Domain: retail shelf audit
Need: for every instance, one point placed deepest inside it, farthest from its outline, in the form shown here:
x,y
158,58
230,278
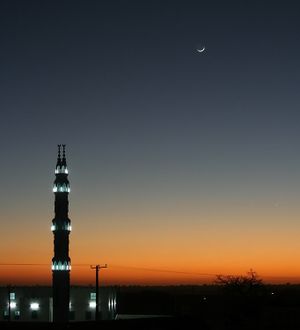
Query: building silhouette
x,y
34,303
59,303
61,228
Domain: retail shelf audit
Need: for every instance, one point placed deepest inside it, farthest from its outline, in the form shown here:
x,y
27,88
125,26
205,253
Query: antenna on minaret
x,y
64,163
58,154
58,163
64,150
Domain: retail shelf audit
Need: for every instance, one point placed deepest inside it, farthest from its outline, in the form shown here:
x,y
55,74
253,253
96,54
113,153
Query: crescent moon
x,y
201,50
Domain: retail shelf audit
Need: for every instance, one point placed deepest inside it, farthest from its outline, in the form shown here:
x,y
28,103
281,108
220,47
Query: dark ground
x,y
285,323
200,307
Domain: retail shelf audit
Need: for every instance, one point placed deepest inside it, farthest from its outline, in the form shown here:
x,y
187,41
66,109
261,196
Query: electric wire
x,y
155,270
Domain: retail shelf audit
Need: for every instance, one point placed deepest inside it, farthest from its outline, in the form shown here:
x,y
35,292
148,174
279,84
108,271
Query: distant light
x,y
13,304
204,298
34,306
52,227
272,293
92,304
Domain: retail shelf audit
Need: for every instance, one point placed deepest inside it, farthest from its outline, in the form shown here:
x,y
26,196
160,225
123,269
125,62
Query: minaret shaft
x,y
61,227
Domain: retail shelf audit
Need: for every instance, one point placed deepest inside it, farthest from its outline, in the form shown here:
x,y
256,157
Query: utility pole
x,y
9,308
97,268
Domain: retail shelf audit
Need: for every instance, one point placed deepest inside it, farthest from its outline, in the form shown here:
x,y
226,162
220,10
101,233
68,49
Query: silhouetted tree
x,y
244,295
241,285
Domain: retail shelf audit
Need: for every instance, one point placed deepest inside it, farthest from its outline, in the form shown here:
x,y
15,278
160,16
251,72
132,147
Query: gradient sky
x,y
181,163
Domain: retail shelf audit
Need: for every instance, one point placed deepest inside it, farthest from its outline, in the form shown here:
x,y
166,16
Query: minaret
x,y
61,227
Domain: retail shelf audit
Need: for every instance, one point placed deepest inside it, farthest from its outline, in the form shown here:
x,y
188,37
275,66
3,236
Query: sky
x,y
183,165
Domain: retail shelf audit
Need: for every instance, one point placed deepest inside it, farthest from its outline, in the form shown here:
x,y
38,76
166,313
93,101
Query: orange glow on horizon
x,y
122,275
158,248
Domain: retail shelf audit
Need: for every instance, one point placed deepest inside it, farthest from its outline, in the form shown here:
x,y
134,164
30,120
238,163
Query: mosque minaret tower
x,y
61,228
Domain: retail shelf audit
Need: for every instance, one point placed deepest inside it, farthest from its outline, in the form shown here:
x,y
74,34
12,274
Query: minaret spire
x,y
58,163
64,162
61,227
58,152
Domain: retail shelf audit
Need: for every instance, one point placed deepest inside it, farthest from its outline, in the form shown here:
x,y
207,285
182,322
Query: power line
x,y
117,266
19,264
156,270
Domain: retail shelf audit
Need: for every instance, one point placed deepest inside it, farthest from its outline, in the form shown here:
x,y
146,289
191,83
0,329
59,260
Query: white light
x,y
112,303
13,304
61,266
61,170
52,227
61,188
92,304
68,227
64,170
34,306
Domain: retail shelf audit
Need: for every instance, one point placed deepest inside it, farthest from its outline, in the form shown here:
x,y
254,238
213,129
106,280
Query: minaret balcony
x,y
61,266
66,227
61,188
61,170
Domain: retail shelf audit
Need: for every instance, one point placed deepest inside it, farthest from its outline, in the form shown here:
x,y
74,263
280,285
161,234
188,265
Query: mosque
x,y
59,303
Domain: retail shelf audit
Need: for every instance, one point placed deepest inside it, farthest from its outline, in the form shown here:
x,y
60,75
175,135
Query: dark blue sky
x,y
150,124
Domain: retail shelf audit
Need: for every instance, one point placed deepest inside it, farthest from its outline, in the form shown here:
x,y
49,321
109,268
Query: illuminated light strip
x,y
66,227
62,170
61,266
61,189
